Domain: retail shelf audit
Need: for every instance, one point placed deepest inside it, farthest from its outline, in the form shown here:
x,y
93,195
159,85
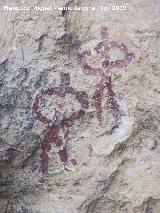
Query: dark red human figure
x,y
54,125
103,48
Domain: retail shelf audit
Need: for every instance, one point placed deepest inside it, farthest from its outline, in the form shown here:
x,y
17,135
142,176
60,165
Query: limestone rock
x,y
79,107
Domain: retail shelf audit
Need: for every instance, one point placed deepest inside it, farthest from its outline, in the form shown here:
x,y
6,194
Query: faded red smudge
x,y
143,56
90,153
74,162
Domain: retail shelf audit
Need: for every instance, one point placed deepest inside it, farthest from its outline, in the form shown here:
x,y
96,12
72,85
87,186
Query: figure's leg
x,y
51,136
98,95
106,82
111,99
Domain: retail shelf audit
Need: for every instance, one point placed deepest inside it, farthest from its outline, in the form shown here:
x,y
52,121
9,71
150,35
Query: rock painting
x,y
57,123
102,49
54,125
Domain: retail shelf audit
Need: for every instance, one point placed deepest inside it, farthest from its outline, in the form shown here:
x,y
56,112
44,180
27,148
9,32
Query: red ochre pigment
x,y
52,134
54,125
103,48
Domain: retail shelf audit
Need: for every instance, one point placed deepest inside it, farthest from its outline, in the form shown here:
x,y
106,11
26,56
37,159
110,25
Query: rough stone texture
x,y
113,163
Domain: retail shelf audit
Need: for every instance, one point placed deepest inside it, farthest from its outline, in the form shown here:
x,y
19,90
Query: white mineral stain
x,y
106,143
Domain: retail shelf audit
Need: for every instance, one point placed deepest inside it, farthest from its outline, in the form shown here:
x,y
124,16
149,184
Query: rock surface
x,y
79,100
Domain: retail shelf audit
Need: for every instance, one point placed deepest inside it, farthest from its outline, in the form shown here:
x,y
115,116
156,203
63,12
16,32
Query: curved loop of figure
x,y
61,91
103,48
